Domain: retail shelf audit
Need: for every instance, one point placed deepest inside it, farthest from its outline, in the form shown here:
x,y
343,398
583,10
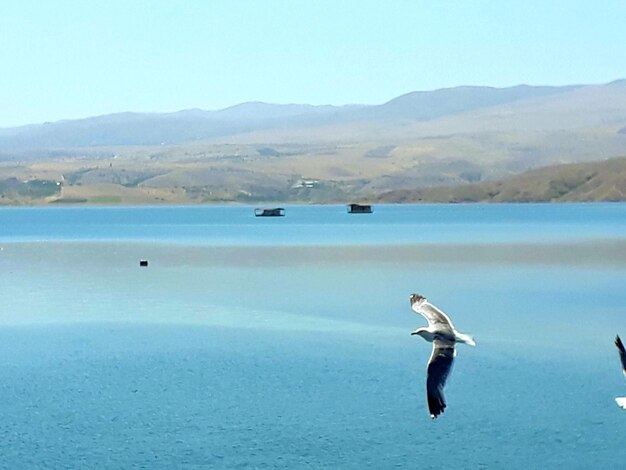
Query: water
x,y
318,224
284,343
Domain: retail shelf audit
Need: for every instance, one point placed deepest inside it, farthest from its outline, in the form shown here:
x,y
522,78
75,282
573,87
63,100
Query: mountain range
x,y
195,125
297,152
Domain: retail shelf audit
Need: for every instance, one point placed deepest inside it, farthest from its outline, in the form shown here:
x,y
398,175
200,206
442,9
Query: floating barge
x,y
273,212
359,209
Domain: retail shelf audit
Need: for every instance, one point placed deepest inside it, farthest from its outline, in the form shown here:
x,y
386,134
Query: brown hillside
x,y
597,181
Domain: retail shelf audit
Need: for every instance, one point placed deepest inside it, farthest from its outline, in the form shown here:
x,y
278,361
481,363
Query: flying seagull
x,y
621,401
442,334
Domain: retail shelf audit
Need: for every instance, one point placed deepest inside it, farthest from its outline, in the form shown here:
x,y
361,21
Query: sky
x,y
63,59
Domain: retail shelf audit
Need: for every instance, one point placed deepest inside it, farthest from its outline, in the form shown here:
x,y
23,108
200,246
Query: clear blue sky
x,y
63,59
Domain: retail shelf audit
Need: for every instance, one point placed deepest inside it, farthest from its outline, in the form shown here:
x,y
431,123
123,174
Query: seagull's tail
x,y
621,402
463,338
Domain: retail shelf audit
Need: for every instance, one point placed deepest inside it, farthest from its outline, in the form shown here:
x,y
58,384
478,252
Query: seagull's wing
x,y
439,367
622,352
431,313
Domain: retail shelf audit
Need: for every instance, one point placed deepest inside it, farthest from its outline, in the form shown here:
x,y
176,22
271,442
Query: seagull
x,y
621,401
442,334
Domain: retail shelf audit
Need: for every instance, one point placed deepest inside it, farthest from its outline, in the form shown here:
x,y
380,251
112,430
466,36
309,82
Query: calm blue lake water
x,y
284,343
319,224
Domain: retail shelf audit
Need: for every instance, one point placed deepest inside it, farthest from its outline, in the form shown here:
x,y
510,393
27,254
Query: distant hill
x,y
195,125
597,181
586,182
264,152
427,105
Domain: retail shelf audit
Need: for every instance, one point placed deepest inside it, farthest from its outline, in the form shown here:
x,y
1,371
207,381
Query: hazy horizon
x,y
70,61
338,105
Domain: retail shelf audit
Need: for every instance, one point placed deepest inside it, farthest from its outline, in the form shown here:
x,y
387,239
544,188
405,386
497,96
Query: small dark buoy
x,y
143,262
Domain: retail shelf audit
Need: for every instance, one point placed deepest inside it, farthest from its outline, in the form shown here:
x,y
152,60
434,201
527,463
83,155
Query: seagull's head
x,y
417,299
424,333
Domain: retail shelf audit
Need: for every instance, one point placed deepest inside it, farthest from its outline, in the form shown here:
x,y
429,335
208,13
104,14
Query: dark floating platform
x,y
143,263
359,209
273,212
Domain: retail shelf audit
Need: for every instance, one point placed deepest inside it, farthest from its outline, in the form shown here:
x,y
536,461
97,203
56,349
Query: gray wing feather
x,y
432,314
439,367
622,352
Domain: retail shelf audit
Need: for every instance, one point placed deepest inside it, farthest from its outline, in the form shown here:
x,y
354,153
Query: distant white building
x,y
305,184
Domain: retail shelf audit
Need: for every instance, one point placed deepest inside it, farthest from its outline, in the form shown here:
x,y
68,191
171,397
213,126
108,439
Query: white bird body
x,y
441,332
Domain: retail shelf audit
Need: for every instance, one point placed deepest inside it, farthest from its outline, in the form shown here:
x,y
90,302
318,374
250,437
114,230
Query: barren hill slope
x,y
597,181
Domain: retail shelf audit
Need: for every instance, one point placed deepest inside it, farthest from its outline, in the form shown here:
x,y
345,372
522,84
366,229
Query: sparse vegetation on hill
x,y
585,182
13,190
595,181
260,152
